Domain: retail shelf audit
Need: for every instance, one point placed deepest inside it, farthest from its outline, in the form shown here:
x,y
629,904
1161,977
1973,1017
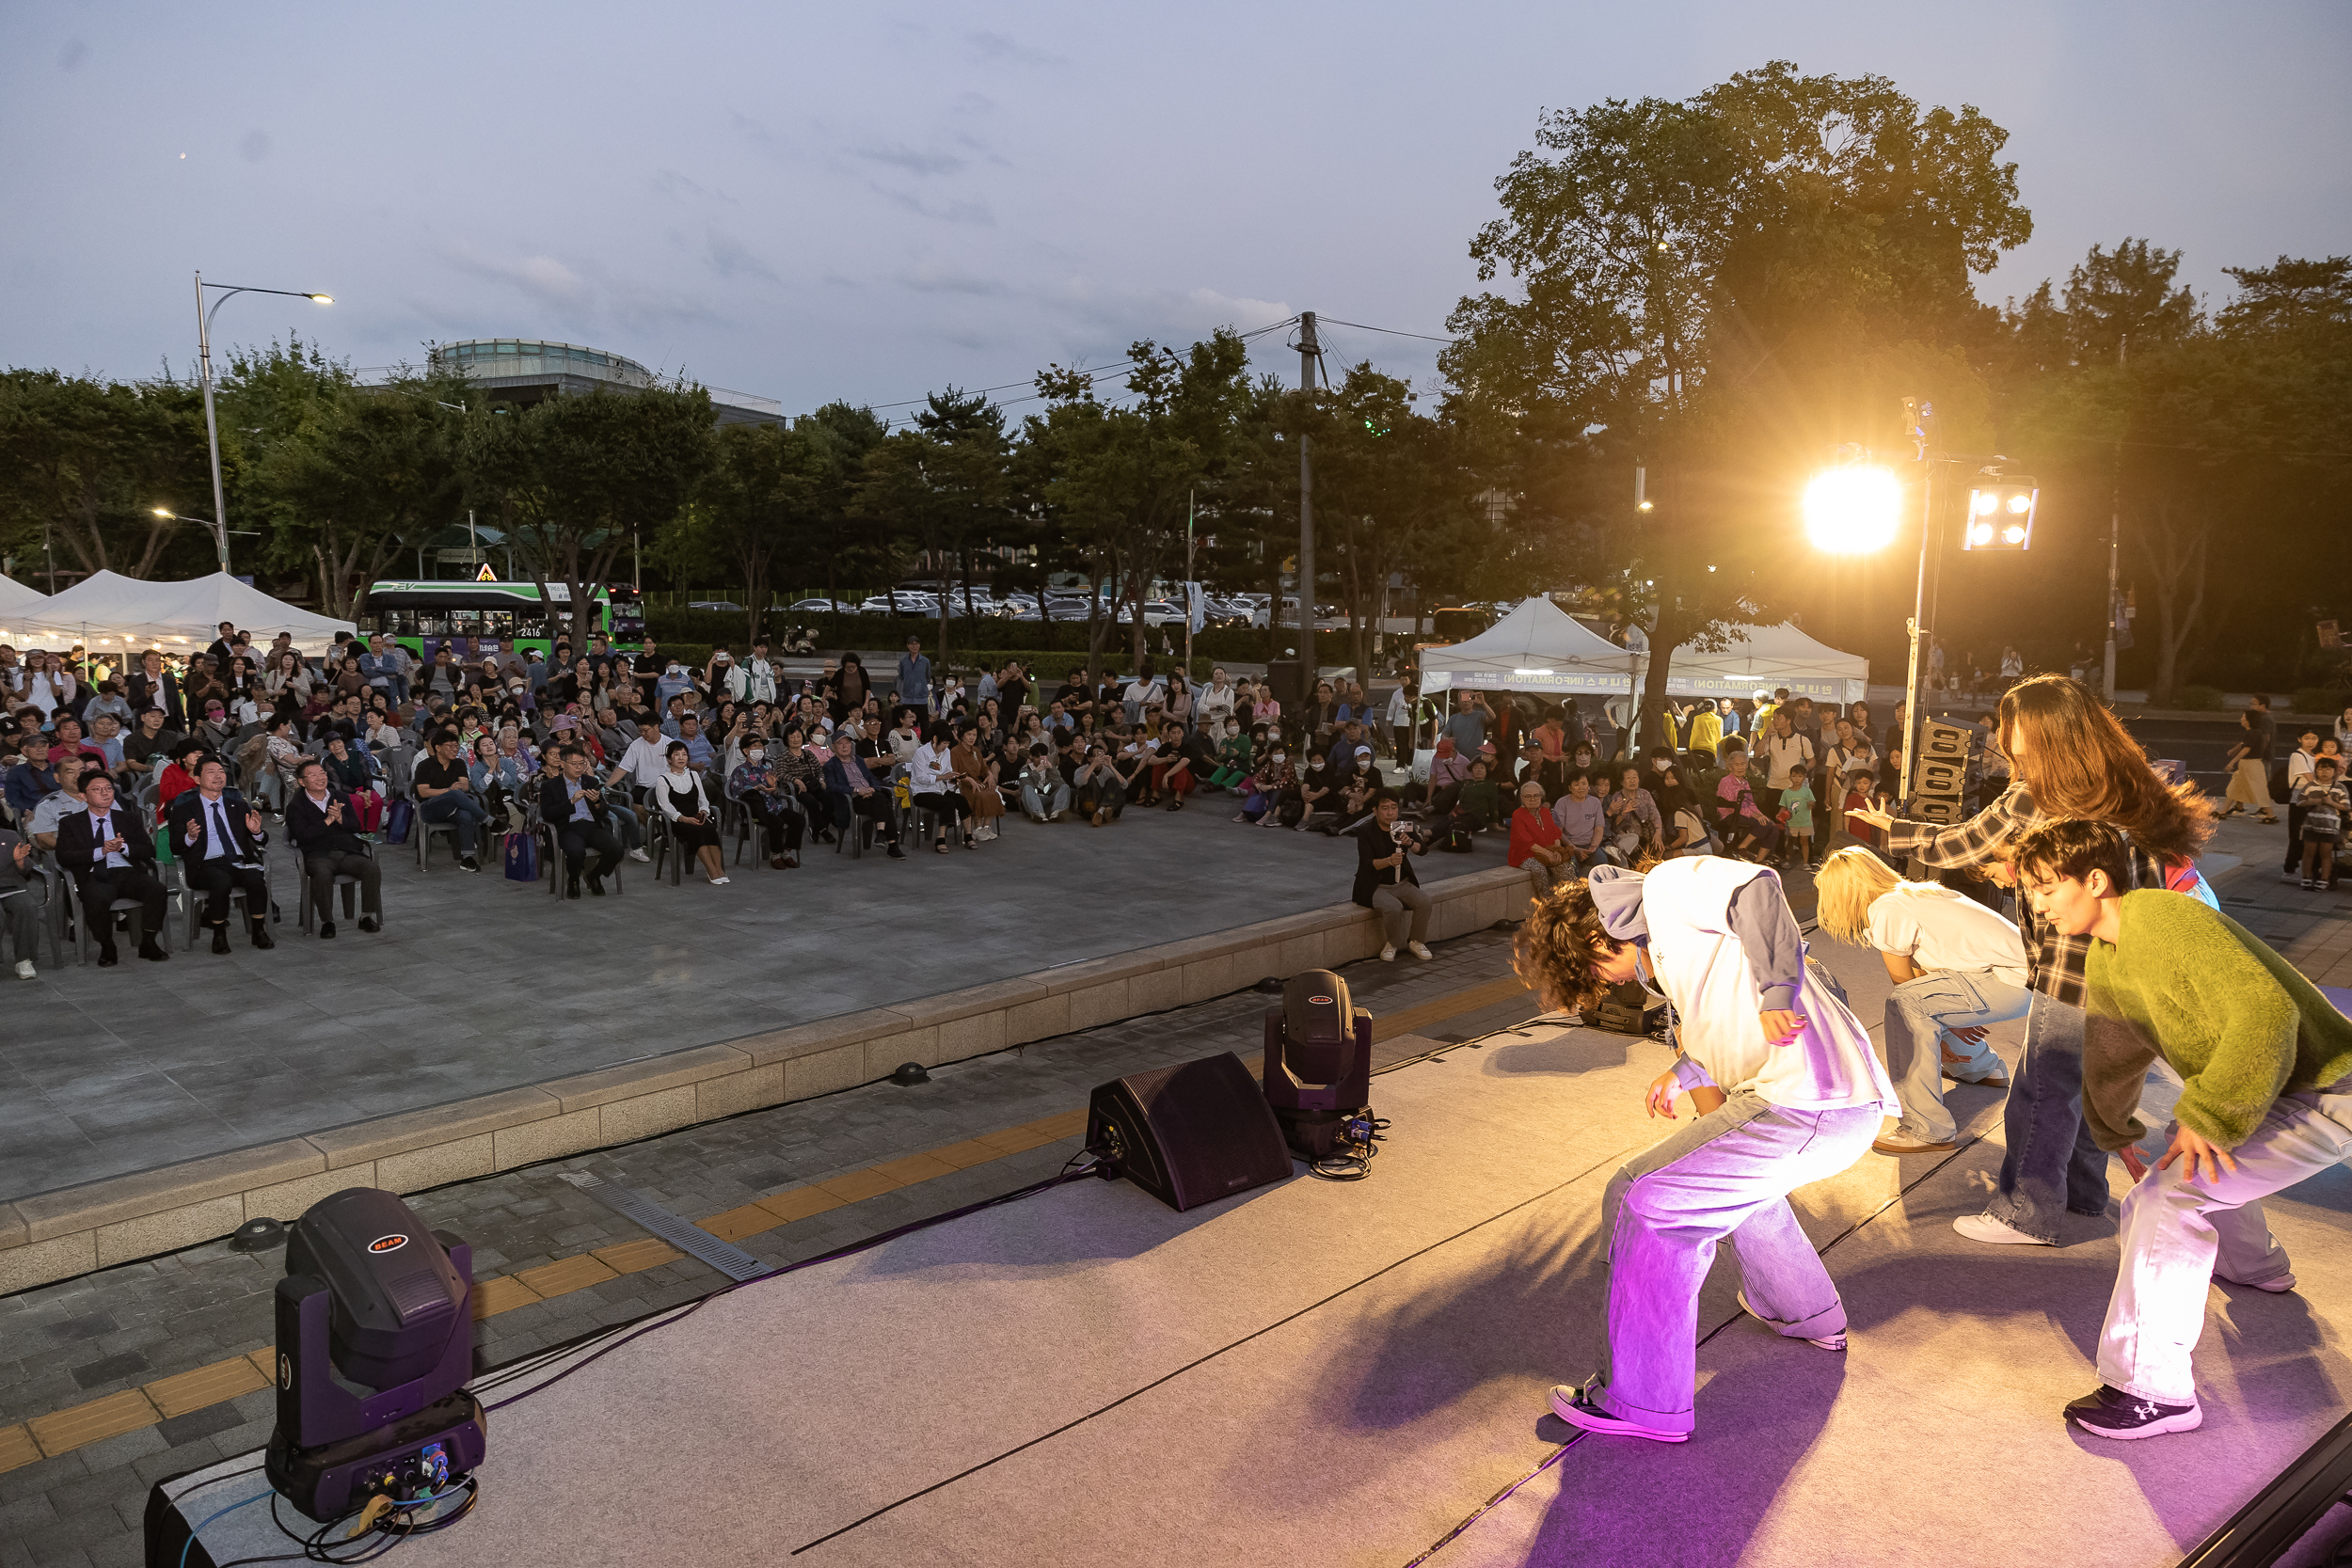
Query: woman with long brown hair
x,y
2069,758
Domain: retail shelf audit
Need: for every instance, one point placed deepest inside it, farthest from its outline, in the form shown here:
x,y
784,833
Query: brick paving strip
x,y
127,1410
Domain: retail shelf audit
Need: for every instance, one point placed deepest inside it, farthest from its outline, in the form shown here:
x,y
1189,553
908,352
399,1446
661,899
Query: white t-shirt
x,y
1947,931
1829,1064
1791,757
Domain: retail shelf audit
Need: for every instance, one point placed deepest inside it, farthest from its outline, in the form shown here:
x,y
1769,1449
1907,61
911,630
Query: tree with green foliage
x,y
765,490
85,462
571,480
1118,478
1723,288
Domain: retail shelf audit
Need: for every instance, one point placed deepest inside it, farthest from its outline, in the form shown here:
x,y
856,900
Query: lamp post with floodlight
x,y
221,534
204,361
1855,508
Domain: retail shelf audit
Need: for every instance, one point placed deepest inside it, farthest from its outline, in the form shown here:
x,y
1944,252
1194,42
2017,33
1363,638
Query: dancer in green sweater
x,y
2266,1061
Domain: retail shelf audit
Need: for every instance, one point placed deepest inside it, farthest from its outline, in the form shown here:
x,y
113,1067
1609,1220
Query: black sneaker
x,y
596,887
1568,1403
897,853
468,863
370,923
326,931
571,888
2112,1413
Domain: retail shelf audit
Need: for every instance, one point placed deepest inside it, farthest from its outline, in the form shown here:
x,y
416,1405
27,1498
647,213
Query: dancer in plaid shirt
x,y
2069,758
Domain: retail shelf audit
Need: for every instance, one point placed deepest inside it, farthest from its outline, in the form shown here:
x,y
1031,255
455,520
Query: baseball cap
x,y
1363,751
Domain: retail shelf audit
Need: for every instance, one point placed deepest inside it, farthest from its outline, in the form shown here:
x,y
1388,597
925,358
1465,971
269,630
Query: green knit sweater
x,y
2238,1022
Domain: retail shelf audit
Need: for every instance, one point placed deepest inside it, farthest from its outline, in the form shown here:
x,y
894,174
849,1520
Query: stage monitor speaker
x,y
1289,678
1188,1134
1940,781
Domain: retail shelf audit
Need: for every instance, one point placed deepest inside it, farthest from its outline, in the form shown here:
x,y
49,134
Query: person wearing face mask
x,y
1271,787
1232,756
771,802
1318,792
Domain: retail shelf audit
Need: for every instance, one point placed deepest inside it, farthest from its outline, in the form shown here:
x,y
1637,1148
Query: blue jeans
x,y
1920,1015
1725,1176
2053,1162
469,813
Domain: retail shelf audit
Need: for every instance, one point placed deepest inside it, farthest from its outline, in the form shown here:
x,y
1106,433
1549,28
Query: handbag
x,y
397,817
522,858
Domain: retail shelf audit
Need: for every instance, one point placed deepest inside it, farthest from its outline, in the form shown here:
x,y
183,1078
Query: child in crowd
x,y
2265,1068
1796,804
2321,800
1859,785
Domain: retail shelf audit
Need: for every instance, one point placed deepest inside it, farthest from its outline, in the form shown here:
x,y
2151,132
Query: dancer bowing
x,y
1789,1092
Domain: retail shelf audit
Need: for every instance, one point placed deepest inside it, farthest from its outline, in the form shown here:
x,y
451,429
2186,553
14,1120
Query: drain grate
x,y
685,1235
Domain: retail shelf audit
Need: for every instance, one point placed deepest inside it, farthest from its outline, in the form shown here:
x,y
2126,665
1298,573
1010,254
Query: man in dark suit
x,y
324,826
218,839
110,855
151,685
574,805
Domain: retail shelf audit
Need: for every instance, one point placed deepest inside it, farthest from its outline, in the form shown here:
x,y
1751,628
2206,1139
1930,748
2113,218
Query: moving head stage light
x,y
374,1345
1318,1061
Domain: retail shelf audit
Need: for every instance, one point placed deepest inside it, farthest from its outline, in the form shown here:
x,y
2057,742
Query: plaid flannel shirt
x,y
2054,959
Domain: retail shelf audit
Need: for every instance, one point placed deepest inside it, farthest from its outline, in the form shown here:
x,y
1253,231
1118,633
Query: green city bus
x,y
480,618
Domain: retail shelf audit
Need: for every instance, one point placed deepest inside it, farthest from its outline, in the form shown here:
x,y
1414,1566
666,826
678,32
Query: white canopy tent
x,y
19,605
1763,658
1536,647
107,611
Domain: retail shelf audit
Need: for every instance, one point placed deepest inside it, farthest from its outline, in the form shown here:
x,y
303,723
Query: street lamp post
x,y
204,361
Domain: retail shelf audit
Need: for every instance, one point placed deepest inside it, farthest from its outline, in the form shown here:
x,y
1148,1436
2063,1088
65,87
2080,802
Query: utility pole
x,y
2115,537
1188,503
1310,357
211,427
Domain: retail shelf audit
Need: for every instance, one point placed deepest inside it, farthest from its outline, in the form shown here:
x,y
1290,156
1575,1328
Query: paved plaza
x,y
478,984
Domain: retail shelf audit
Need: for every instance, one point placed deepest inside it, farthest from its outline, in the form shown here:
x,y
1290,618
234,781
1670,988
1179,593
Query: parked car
x,y
819,607
909,603
727,605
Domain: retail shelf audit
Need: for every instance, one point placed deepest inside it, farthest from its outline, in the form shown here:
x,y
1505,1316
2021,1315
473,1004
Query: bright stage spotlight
x,y
2000,513
1853,510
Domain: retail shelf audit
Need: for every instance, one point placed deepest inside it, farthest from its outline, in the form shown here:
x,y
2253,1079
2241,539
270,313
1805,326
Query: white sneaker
x,y
1419,950
24,971
719,881
640,855
1984,1227
1388,954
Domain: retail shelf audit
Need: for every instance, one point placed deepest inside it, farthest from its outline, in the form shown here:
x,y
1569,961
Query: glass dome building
x,y
531,370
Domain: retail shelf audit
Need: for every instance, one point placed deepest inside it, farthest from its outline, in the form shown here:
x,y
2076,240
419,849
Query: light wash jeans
x,y
1920,1015
2177,1234
1725,1176
1035,804
2052,1162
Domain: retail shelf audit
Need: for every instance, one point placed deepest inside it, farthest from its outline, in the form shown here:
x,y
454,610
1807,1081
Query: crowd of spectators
x,y
607,755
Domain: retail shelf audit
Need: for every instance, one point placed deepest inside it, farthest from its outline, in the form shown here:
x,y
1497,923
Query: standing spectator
x,y
1535,841
915,678
1787,757
445,793
2012,665
1395,727
2323,803
110,855
1468,725
325,829
2250,773
151,685
2298,768
1385,882
218,840
1583,822
1217,701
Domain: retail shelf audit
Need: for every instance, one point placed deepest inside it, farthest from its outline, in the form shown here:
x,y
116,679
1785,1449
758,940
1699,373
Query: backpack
x,y
2185,877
